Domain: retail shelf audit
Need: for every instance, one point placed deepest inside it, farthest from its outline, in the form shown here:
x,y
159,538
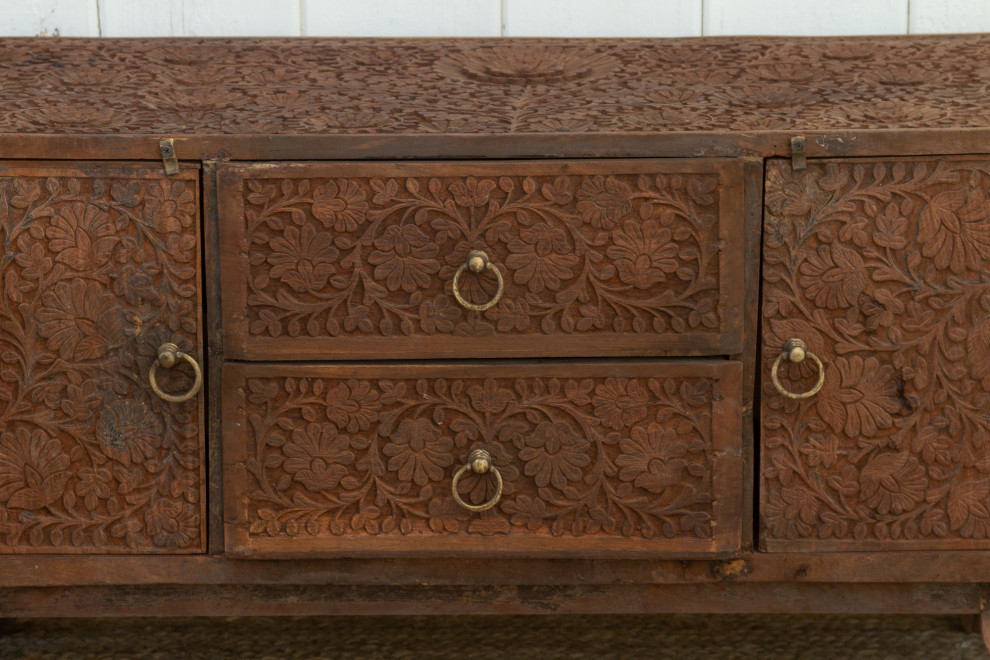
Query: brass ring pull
x,y
168,355
796,351
479,462
478,261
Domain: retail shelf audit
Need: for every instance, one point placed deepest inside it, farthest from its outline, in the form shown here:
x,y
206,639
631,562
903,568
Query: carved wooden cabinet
x,y
341,326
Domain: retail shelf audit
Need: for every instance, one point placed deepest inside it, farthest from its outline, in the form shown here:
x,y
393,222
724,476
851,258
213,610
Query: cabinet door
x,y
100,268
880,267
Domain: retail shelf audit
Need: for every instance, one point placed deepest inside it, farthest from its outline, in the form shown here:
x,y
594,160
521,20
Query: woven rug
x,y
684,637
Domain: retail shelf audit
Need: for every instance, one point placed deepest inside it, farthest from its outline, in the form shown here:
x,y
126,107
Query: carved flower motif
x,y
619,402
603,201
317,457
437,315
554,454
302,259
652,458
954,232
79,319
528,63
33,258
883,114
833,278
169,206
340,204
404,258
81,236
903,75
821,451
93,485
882,310
489,398
791,513
893,483
891,229
80,402
353,405
790,193
69,117
172,524
643,253
418,452
861,399
127,431
471,192
540,257
33,469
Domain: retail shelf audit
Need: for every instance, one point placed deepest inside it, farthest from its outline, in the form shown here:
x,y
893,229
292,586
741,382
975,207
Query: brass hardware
x,y
167,147
796,351
478,261
479,462
168,356
799,157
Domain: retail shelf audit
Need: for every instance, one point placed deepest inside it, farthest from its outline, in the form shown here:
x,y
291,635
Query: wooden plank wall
x,y
488,18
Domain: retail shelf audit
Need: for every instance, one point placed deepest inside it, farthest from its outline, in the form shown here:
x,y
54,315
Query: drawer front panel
x,y
358,260
879,266
102,268
594,458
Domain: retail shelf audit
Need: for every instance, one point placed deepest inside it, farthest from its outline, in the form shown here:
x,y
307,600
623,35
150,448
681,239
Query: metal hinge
x,y
799,159
167,147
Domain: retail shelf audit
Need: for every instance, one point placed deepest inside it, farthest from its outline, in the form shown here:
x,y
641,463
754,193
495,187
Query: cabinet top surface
x,y
490,86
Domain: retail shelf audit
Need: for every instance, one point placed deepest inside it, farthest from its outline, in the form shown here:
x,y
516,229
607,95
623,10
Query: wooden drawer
x,y
101,268
357,260
880,267
603,458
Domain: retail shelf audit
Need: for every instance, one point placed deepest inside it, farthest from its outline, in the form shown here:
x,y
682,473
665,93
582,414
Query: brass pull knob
x,y
479,462
168,356
478,261
796,351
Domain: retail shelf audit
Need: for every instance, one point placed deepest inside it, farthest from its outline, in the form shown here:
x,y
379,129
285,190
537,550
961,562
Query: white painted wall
x,y
426,18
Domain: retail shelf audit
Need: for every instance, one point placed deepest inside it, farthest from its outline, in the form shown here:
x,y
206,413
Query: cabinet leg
x,y
985,627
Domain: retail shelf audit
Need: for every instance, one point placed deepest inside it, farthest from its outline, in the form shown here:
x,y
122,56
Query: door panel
x,y
101,267
880,267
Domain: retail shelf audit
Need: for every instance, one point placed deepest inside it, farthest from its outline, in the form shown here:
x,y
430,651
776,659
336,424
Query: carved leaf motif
x,y
880,271
969,499
98,278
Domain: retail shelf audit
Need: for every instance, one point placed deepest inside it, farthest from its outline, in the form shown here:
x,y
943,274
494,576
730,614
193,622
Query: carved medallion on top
x,y
528,63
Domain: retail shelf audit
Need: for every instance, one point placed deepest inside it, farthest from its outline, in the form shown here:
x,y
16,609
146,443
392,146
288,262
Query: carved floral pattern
x,y
98,271
376,456
880,267
579,254
304,87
